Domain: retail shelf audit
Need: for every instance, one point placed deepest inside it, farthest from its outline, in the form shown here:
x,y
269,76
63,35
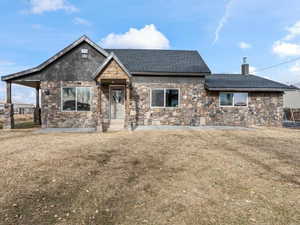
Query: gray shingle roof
x,y
239,82
160,61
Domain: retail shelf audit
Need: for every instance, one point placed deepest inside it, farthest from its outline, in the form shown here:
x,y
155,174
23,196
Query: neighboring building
x,y
85,86
291,98
19,108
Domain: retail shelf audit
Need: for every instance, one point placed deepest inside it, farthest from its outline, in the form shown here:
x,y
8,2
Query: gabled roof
x,y
111,57
145,61
57,56
239,82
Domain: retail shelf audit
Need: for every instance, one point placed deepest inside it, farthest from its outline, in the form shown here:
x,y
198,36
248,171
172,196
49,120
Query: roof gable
x,y
56,57
112,57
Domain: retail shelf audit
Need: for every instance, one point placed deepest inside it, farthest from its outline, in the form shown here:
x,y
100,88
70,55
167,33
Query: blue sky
x,y
266,31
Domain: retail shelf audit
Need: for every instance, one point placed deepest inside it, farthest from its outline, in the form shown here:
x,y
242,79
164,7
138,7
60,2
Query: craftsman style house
x,y
85,86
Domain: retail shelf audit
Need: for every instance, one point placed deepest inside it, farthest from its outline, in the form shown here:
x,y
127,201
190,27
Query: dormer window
x,y
84,53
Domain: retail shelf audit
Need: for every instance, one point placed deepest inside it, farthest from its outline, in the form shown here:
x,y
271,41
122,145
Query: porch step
x,y
116,125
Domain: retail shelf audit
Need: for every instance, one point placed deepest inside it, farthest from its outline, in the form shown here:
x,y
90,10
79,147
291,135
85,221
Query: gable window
x,y
76,99
233,99
165,97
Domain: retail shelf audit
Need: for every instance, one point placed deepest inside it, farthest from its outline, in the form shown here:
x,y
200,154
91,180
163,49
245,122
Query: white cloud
x,y
294,31
252,70
295,68
147,37
285,49
244,45
40,6
81,21
223,20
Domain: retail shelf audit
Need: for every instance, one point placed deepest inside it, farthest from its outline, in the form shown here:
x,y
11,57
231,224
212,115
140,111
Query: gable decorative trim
x,y
112,57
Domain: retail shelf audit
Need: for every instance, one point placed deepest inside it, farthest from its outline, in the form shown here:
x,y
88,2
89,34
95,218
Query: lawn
x,y
22,121
150,177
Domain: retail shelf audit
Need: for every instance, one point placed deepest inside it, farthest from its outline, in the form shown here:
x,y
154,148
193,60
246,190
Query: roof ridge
x,y
141,49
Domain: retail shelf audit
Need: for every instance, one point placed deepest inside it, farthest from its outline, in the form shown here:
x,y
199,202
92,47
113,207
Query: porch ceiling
x,y
32,84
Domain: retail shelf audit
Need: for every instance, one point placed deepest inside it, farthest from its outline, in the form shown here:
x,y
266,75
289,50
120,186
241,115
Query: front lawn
x,y
151,178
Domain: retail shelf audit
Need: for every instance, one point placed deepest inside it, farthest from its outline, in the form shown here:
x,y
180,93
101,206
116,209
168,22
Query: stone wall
x,y
197,106
191,108
8,116
52,114
264,109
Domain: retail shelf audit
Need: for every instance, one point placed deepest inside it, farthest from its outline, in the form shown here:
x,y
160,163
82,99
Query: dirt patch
x,y
150,177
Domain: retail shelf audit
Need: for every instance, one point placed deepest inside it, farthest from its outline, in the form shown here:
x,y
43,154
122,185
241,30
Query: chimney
x,y
245,67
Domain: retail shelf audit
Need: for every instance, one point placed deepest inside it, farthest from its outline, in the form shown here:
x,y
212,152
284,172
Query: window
x,y
165,97
226,99
233,99
240,99
171,97
69,99
76,99
83,99
157,98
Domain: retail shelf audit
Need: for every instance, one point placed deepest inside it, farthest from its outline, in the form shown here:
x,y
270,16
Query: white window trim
x,y
224,106
61,100
163,107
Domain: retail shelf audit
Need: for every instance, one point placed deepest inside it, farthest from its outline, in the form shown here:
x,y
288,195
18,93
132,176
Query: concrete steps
x,y
116,124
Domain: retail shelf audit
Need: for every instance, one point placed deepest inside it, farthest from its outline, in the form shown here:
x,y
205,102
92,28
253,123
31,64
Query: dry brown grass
x,y
22,121
167,177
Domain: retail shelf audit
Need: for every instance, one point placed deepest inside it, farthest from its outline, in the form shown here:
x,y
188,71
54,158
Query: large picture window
x,y
233,99
76,99
166,97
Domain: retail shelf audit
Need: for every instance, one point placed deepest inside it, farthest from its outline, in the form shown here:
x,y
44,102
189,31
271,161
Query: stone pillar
x,y
37,110
9,122
99,111
127,106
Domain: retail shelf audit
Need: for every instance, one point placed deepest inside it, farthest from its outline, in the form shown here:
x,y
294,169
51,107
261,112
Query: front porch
x,y
9,120
114,107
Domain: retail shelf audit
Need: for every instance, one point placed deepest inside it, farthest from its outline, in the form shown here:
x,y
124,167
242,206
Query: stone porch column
x,y
99,111
8,109
37,110
127,106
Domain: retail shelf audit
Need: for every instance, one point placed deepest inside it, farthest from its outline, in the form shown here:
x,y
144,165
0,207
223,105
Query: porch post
x,y
100,118
37,110
128,120
8,109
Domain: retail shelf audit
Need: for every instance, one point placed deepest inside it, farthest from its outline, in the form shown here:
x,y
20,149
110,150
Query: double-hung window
x,y
233,99
76,99
165,97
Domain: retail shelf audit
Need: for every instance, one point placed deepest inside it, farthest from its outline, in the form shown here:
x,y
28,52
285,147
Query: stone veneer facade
x,y
264,109
197,105
51,108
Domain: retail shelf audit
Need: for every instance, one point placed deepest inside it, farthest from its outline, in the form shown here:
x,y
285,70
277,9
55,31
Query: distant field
x,y
21,121
151,177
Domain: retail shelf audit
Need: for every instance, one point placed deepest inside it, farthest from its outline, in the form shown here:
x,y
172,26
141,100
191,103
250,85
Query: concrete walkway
x,y
191,128
141,128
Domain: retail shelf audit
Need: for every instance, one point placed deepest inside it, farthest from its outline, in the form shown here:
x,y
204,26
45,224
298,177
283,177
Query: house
x,y
291,104
86,86
19,108
292,98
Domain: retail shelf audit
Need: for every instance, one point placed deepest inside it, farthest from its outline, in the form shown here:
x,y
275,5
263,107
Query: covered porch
x,y
9,120
114,107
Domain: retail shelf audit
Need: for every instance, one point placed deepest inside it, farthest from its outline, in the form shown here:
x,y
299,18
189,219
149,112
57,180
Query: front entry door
x,y
117,100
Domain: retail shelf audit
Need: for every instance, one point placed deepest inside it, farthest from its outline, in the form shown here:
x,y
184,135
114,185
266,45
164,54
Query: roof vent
x,y
245,66
84,53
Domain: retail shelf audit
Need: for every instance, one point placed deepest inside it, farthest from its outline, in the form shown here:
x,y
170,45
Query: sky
x,y
223,31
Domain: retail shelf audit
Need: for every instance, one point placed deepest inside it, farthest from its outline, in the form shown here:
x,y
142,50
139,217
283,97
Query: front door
x,y
117,100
